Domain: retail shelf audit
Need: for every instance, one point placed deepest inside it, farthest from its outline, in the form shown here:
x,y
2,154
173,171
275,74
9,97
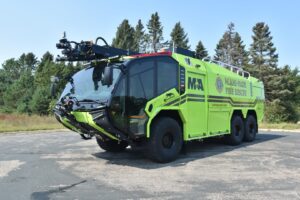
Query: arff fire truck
x,y
157,101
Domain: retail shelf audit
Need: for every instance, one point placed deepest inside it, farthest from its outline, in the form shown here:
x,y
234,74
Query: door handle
x,y
169,96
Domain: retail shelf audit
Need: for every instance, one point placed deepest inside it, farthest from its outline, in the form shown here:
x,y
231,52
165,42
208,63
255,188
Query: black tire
x,y
165,140
112,145
250,128
237,131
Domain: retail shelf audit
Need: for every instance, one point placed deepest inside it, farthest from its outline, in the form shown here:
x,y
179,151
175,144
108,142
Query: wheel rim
x,y
237,130
251,129
167,140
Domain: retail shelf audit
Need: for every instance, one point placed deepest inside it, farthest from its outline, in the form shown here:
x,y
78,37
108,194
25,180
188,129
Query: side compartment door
x,y
196,109
219,105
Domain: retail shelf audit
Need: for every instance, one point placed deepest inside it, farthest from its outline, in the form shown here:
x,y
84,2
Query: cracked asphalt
x,y
59,165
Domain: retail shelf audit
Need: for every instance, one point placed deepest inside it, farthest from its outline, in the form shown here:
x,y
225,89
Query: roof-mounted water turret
x,y
87,50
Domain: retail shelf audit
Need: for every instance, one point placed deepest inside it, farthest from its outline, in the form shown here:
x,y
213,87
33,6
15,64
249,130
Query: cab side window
x,y
167,74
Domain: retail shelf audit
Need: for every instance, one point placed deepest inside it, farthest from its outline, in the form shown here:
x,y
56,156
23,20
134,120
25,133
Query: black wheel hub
x,y
251,129
167,140
237,130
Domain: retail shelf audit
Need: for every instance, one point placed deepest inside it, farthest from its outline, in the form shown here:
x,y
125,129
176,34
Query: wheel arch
x,y
237,113
174,113
253,113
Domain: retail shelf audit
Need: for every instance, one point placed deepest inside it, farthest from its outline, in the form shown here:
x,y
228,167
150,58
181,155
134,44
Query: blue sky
x,y
35,25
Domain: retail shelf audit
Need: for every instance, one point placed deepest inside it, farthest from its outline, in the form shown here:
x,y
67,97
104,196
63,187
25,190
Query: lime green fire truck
x,y
157,101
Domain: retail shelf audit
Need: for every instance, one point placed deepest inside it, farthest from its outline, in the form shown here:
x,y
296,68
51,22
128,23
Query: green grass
x,y
17,122
286,126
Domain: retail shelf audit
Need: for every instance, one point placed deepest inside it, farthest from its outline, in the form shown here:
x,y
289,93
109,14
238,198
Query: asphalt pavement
x,y
59,165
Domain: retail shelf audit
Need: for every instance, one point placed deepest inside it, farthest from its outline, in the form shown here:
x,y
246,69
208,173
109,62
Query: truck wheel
x,y
250,128
237,131
112,145
165,141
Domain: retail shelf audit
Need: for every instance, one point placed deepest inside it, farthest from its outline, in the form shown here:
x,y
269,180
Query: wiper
x,y
92,101
71,81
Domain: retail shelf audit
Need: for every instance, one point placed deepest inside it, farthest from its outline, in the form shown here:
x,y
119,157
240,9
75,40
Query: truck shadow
x,y
194,150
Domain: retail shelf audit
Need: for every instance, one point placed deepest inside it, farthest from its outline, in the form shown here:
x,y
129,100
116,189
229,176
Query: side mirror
x,y
107,78
54,80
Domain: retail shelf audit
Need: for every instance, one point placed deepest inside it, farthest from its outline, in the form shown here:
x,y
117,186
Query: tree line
x,y
24,82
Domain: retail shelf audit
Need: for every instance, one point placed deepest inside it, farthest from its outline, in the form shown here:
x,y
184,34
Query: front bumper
x,y
94,122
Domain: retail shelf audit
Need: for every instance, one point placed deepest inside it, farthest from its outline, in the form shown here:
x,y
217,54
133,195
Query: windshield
x,y
87,85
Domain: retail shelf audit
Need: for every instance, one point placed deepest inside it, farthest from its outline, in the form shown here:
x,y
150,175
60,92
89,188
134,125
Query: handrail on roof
x,y
230,67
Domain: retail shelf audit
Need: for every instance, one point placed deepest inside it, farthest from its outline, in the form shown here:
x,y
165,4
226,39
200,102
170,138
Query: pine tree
x,y
281,84
231,49
139,37
262,52
19,80
285,95
45,69
24,82
12,70
3,85
264,60
40,101
124,36
289,92
9,74
201,51
18,94
179,37
28,62
240,56
47,57
155,29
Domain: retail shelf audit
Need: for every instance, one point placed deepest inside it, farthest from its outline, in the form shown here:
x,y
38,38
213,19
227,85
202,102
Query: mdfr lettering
x,y
195,84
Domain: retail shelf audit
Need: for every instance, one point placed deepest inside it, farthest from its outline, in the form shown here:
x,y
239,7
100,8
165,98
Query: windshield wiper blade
x,y
92,101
